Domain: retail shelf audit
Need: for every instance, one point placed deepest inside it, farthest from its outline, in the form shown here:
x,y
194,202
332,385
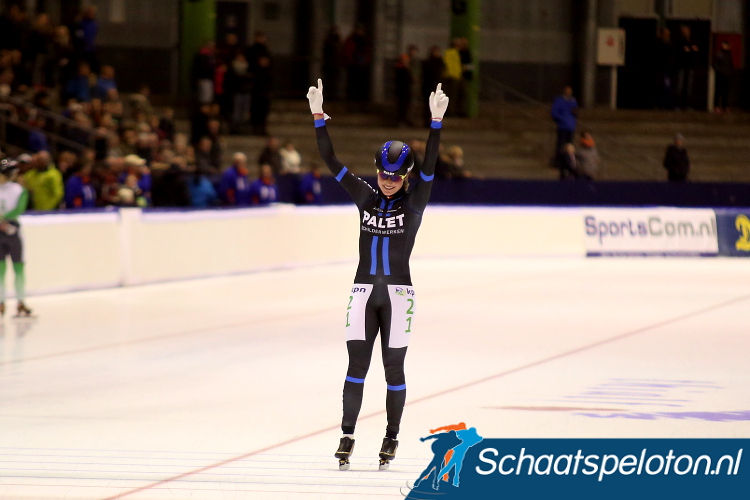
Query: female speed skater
x,y
13,201
382,298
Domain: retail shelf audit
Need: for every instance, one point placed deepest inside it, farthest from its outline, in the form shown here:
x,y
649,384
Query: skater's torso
x,y
388,228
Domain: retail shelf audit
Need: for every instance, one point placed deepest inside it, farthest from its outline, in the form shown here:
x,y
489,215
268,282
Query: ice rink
x,y
230,387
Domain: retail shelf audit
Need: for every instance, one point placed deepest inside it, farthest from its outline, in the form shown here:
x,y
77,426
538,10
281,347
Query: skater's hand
x,y
315,96
438,103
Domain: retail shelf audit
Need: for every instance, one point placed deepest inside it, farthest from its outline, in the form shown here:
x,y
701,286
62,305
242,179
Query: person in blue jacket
x,y
565,113
309,188
263,190
202,192
79,192
234,188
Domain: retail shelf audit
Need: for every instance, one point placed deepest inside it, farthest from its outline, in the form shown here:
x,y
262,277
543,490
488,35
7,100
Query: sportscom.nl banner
x,y
650,231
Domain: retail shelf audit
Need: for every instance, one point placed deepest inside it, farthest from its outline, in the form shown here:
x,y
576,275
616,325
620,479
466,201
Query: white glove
x,y
315,96
438,103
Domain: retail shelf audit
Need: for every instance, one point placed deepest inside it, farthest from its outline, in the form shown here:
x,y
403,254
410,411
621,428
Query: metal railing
x,y
16,113
610,148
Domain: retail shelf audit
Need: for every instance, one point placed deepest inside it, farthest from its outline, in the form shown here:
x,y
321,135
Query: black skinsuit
x,y
388,227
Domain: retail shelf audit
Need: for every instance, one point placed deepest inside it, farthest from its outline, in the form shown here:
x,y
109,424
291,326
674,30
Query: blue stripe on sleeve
x,y
397,387
386,261
357,380
435,124
341,174
426,178
374,255
321,122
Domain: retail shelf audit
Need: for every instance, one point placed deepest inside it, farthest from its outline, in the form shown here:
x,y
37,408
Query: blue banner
x,y
467,466
734,232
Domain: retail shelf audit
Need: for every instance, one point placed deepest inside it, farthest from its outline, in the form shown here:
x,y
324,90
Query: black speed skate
x,y
22,311
346,446
387,452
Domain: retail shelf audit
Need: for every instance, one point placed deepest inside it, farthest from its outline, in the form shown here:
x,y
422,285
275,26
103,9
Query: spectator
x,y
37,137
404,82
454,75
567,162
332,47
206,159
467,74
257,51
166,125
64,60
564,113
79,88
454,160
85,34
260,97
239,86
202,192
310,188
723,65
39,49
79,191
204,66
130,193
170,187
228,48
105,83
263,190
290,159
66,160
271,155
432,74
135,165
44,182
357,57
687,59
676,160
587,158
665,67
234,188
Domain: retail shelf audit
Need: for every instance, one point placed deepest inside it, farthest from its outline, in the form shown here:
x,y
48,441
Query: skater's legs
x,y
3,267
18,268
360,353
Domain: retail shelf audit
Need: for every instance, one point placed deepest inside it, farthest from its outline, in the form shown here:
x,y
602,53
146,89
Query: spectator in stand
x,y
687,59
357,57
271,155
228,48
564,114
79,191
290,159
64,60
12,28
404,82
199,123
332,63
665,70
44,182
66,160
567,162
135,165
453,157
239,86
310,188
205,160
39,49
84,36
170,188
79,88
723,65
203,72
433,69
166,125
263,190
587,158
202,192
676,160
234,188
260,97
453,77
130,193
257,51
37,137
105,83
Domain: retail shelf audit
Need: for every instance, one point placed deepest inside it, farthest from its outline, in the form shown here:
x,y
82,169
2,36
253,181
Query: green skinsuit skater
x,y
13,201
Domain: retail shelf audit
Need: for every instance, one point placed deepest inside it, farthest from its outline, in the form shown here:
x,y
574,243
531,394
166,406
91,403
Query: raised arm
x,y
421,194
358,189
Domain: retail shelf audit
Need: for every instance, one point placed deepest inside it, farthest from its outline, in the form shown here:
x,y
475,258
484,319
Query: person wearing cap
x,y
44,182
382,299
135,165
676,160
13,202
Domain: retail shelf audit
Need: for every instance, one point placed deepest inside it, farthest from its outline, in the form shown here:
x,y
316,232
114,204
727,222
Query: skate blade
x,y
384,465
344,465
24,316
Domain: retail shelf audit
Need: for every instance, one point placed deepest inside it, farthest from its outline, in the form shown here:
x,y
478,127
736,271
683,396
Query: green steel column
x,y
198,26
465,16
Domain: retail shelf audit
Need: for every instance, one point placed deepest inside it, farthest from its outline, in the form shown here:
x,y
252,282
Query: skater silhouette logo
x,y
451,442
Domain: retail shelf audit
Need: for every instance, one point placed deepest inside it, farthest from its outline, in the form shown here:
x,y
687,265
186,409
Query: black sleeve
x,y
358,189
421,195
